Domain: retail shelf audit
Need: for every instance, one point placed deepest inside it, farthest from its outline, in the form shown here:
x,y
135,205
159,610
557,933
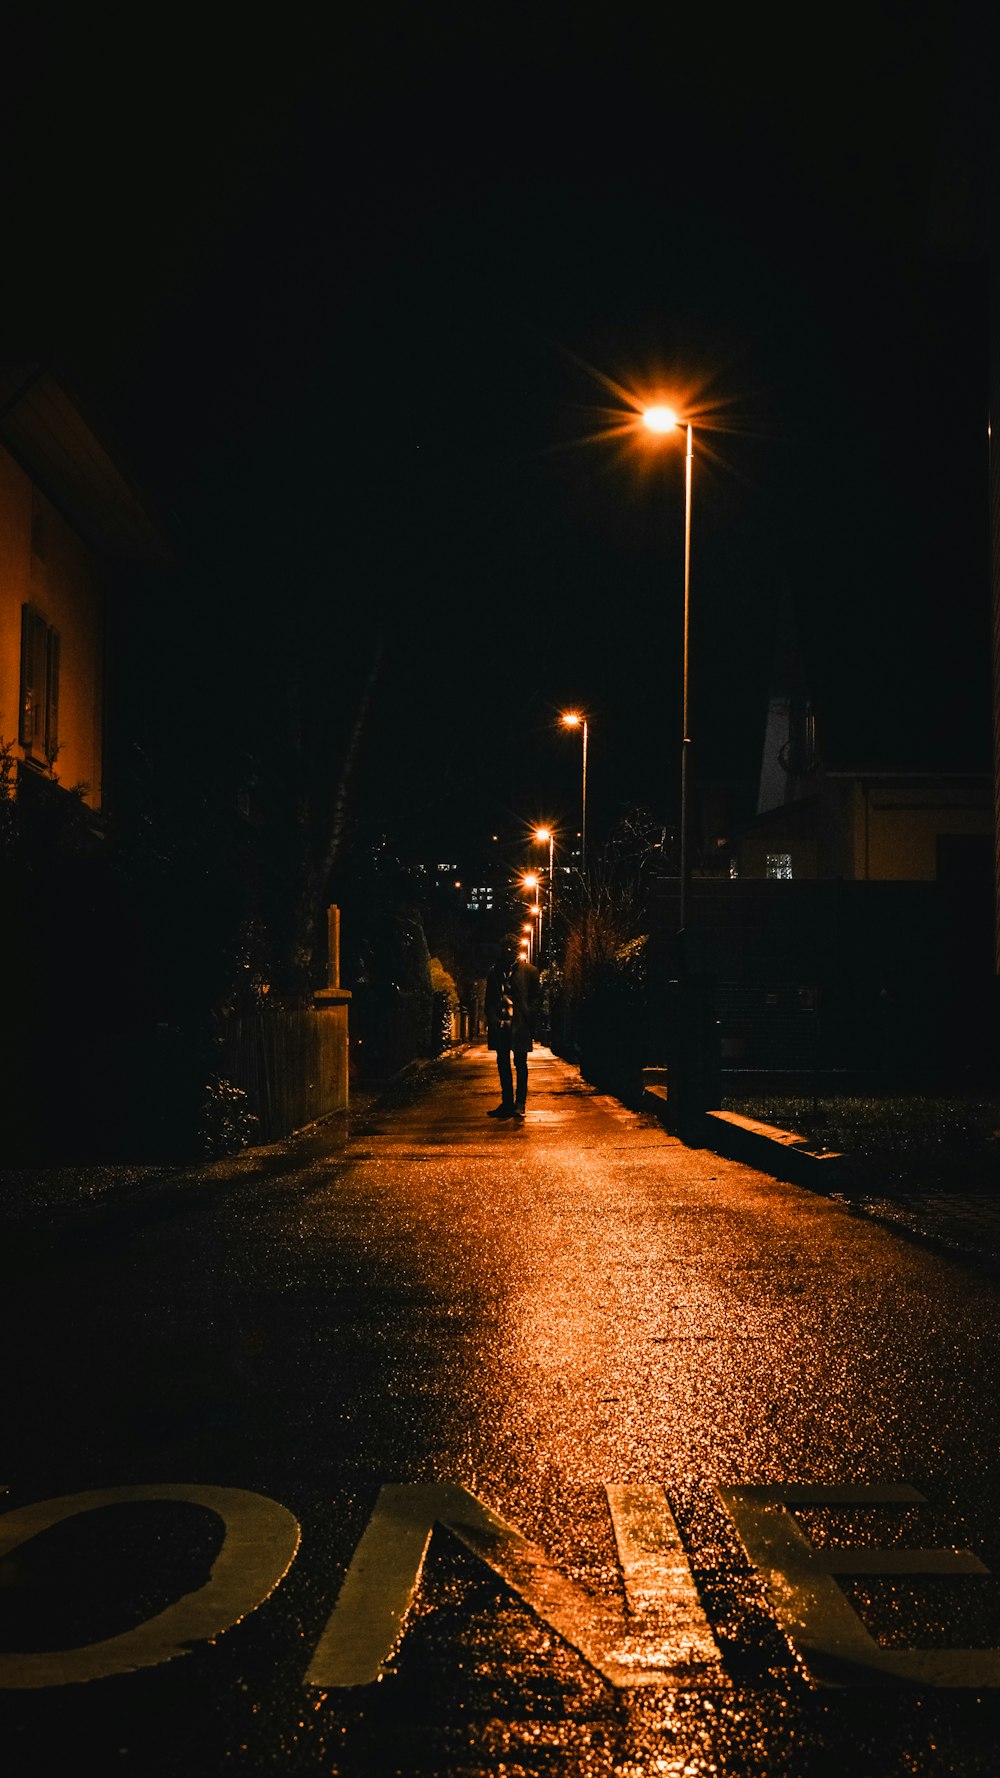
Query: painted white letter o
x,y
261,1538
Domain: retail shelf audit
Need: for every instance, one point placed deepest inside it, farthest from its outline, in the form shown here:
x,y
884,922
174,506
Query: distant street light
x,y
543,835
659,420
573,719
530,881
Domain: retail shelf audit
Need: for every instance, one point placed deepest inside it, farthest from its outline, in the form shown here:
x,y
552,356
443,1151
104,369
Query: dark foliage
x,y
386,966
598,990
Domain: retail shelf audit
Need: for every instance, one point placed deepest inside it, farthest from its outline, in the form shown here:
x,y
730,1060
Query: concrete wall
x,y
866,830
902,828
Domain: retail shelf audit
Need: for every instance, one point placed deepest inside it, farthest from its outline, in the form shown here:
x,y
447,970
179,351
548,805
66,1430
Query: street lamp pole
x,y
663,419
583,812
573,719
686,736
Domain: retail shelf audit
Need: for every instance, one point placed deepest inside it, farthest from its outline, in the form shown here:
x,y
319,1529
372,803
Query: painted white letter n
x,y
659,1637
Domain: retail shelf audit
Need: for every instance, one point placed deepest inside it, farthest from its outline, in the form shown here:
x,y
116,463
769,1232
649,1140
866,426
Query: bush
x,y
612,1022
392,1008
599,1010
444,1004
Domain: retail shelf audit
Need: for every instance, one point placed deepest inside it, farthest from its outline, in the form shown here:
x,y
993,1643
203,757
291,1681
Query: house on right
x,y
819,816
841,912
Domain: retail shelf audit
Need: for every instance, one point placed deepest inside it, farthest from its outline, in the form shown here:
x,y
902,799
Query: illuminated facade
x,y
51,640
66,516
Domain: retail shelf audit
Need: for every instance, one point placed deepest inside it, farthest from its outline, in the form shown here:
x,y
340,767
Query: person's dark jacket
x,y
524,987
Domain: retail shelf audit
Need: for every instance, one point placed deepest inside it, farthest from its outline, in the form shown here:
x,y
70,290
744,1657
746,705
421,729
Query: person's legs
x,y
521,1066
506,1081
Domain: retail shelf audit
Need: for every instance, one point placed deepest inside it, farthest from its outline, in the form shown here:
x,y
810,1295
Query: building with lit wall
x,y
66,514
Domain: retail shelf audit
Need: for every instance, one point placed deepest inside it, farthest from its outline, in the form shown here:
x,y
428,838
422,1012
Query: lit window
x,y
779,864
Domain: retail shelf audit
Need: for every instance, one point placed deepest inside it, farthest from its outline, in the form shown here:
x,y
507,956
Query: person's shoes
x,y
519,1112
501,1111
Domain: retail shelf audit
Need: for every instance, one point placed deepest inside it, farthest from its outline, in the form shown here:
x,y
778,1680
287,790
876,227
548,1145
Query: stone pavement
x,y
966,1226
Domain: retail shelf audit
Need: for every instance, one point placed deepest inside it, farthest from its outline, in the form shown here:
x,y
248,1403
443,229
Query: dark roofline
x,y
910,772
44,429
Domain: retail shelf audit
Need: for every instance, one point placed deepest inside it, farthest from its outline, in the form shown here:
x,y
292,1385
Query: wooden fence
x,y
291,1065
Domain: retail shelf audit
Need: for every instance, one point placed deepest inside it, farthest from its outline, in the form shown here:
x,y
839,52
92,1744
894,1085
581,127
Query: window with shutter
x,y
52,695
38,727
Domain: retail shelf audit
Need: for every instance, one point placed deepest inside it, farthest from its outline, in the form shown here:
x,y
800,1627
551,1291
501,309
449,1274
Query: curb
x,y
782,1153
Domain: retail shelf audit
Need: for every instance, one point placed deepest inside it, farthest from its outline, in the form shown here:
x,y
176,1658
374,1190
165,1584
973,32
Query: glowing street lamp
x,y
543,836
530,881
659,420
573,719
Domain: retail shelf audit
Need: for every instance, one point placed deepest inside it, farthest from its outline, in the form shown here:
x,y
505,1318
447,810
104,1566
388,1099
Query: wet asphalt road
x,y
540,1313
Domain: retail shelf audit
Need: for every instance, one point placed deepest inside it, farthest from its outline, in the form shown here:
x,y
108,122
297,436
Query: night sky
x,y
353,293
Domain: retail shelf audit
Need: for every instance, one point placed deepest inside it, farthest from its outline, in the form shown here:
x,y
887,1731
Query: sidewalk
x,y
559,1317
964,1225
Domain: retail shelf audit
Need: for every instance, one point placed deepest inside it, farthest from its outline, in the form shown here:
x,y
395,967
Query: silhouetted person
x,y
513,999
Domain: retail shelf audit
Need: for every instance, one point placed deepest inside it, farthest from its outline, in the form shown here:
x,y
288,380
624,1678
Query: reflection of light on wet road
x,y
644,1362
633,1308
